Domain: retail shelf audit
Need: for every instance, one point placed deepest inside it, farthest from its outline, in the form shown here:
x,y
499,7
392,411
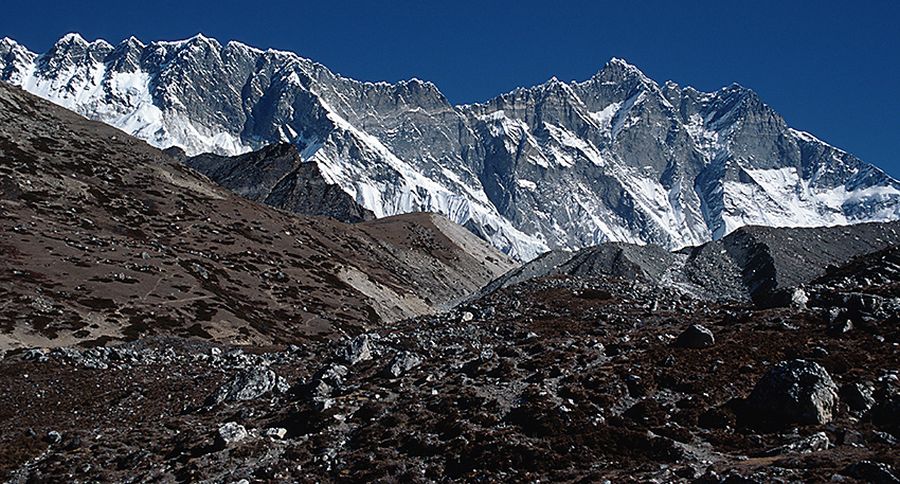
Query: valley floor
x,y
559,378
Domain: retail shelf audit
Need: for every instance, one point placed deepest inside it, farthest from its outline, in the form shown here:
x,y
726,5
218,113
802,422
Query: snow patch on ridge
x,y
780,197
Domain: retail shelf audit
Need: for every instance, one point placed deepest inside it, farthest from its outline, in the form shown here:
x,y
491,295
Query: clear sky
x,y
829,67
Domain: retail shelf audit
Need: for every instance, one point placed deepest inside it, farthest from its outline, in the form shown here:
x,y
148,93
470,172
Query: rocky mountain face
x,y
617,157
104,238
771,262
277,175
761,265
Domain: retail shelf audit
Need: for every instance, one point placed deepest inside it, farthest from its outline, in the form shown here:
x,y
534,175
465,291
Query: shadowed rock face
x,y
771,259
795,391
751,264
617,157
276,175
106,238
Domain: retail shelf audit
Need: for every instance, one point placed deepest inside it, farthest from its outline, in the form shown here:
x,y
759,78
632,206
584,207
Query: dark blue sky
x,y
830,67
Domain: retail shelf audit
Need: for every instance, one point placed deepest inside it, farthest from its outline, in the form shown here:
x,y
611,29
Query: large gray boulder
x,y
795,391
249,384
356,350
229,434
402,363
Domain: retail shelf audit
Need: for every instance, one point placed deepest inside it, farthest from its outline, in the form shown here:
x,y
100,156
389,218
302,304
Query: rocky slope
x,y
617,157
277,175
105,238
581,378
762,265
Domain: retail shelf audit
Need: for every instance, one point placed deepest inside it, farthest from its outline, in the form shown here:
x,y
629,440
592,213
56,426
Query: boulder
x,y
230,433
356,350
813,443
791,297
795,391
840,327
324,384
858,396
403,362
696,336
249,384
35,354
874,472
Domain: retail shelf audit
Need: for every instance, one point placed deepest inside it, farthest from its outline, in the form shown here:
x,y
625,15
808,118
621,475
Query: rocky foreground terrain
x,y
558,378
768,356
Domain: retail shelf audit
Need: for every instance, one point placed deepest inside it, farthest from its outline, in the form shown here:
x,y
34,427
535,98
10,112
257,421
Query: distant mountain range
x,y
617,157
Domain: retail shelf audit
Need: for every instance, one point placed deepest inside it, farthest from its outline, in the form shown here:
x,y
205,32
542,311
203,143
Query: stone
x,y
858,396
840,327
35,354
356,350
246,385
53,437
791,297
795,391
324,384
874,472
332,374
230,433
319,390
884,437
695,336
814,443
276,432
403,362
797,298
818,352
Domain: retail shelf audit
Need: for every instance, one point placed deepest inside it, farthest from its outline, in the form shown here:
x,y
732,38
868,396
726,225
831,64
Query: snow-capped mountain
x,y
559,165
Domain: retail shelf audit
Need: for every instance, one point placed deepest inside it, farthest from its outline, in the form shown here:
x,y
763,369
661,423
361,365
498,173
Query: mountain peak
x,y
196,39
619,70
199,37
72,37
618,61
133,41
8,45
624,65
415,81
234,44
